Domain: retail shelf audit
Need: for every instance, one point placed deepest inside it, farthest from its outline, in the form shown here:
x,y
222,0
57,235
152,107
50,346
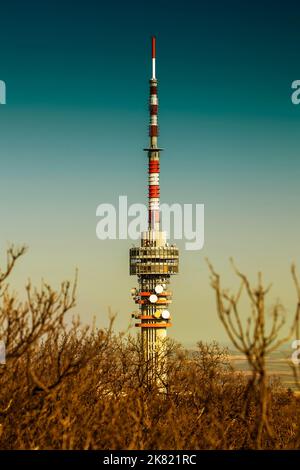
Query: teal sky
x,y
75,123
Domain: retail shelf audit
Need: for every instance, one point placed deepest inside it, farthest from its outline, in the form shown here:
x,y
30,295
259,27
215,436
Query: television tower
x,y
154,261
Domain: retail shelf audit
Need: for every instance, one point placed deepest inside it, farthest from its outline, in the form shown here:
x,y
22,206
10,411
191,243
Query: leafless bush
x,y
252,337
66,386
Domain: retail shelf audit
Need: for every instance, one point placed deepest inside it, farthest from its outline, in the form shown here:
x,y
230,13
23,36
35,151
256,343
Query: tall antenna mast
x,y
153,57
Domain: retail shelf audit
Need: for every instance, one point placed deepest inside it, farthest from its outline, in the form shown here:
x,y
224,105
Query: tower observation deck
x,y
154,261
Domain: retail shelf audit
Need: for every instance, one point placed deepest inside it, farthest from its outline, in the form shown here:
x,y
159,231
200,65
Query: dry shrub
x,y
73,387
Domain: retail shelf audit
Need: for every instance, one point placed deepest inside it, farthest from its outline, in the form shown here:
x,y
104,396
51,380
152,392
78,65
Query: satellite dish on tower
x,y
159,289
165,314
153,298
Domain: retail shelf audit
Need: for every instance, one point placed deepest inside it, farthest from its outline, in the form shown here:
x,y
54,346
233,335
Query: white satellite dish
x,y
153,298
159,289
165,314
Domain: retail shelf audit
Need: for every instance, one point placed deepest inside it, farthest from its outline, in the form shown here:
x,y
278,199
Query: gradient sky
x,y
75,123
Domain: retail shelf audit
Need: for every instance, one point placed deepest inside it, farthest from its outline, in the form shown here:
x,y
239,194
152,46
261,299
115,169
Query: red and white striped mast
x,y
153,150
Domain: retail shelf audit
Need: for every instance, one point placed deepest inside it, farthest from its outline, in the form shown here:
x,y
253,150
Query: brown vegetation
x,y
73,387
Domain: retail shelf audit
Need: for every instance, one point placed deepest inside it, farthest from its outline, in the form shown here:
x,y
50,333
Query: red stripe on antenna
x,y
153,47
